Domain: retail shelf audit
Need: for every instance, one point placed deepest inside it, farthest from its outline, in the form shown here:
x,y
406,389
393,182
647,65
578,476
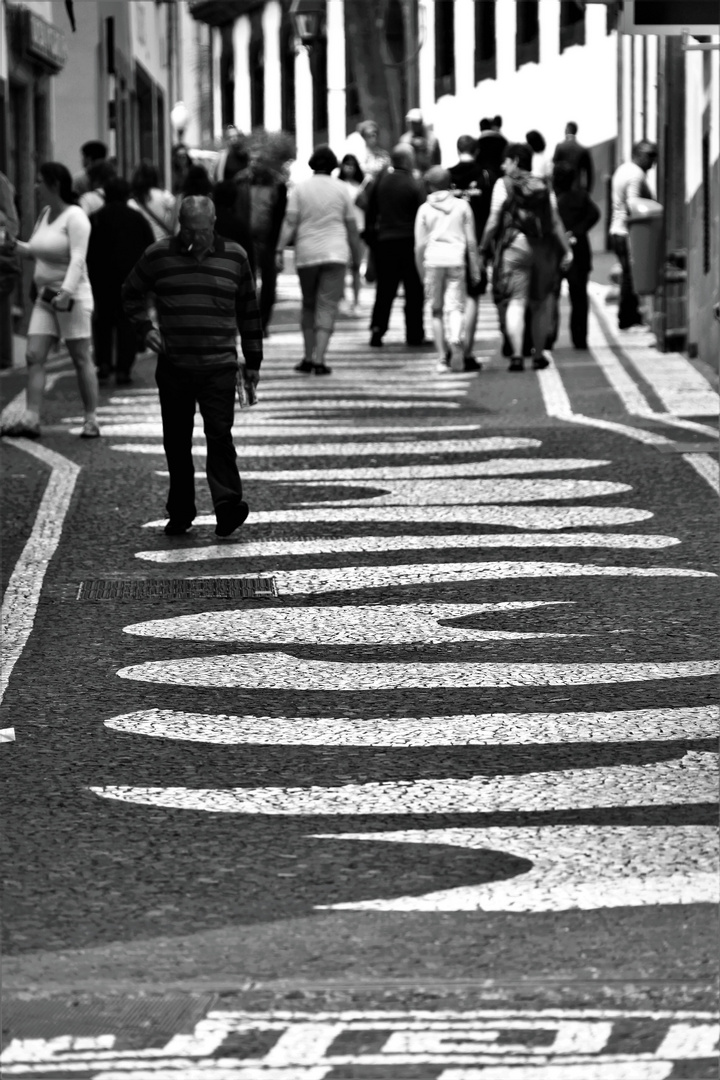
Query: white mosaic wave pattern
x,y
581,867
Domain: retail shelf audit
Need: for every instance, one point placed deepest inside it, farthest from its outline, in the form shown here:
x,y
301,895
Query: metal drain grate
x,y
176,588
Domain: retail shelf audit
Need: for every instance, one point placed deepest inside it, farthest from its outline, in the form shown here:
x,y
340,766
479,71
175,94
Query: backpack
x,y
528,206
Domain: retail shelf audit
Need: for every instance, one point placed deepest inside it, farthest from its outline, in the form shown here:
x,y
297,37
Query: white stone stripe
x,y
23,590
707,467
375,577
692,780
573,867
362,544
389,448
281,671
493,467
473,491
683,390
612,1069
517,516
483,729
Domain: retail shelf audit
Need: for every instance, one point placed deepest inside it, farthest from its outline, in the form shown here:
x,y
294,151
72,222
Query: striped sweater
x,y
202,304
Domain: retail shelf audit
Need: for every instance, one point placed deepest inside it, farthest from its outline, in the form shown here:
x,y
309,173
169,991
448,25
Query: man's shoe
x,y
541,362
471,364
90,430
376,339
231,519
305,367
177,528
423,343
322,369
517,364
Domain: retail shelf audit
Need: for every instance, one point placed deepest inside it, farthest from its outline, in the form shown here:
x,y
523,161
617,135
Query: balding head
x,y
197,207
438,179
402,156
197,223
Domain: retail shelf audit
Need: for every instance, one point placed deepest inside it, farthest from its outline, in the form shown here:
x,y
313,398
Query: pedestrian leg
x,y
472,307
36,354
515,325
80,354
329,295
126,335
103,333
268,291
388,271
414,295
216,398
577,284
454,305
540,315
629,308
177,408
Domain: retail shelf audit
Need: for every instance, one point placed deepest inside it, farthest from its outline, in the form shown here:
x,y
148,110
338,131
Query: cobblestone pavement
x,y
413,777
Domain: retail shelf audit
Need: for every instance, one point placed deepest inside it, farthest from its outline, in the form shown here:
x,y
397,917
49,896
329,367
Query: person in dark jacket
x,y
578,214
394,198
229,222
268,201
571,152
118,237
490,151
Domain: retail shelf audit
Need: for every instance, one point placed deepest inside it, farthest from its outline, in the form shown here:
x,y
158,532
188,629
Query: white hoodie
x,y
445,232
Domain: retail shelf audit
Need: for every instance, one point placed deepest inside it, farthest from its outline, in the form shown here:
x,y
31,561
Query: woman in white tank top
x,y
64,302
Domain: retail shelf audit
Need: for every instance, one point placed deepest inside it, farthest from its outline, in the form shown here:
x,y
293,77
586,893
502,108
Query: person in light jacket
x,y
445,242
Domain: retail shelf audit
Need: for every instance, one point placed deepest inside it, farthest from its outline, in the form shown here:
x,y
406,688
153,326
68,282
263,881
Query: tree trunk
x,y
379,85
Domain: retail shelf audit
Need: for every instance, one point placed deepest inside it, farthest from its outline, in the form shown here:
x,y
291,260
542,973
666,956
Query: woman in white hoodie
x,y
445,242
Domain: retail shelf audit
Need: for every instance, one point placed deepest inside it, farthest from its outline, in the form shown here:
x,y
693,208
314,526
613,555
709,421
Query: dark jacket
x,y
472,183
571,152
232,227
118,238
578,214
490,153
394,198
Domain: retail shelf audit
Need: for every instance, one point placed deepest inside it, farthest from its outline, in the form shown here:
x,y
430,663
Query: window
x,y
444,47
485,44
572,24
527,33
706,202
611,16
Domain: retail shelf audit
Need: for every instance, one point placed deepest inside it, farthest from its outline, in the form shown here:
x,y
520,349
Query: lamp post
x,y
179,118
307,18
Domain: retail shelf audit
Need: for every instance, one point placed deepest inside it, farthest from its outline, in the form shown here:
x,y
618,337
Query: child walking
x,y
444,239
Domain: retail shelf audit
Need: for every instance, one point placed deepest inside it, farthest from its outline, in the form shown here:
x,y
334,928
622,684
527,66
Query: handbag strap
x,y
158,221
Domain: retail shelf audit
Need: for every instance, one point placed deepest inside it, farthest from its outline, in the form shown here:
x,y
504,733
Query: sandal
x,y
90,430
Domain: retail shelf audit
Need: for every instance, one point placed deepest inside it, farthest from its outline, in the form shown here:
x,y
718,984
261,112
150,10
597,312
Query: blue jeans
x,y
213,390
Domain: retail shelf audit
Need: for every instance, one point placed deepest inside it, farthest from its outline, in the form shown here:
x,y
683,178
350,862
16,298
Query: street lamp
x,y
179,118
307,17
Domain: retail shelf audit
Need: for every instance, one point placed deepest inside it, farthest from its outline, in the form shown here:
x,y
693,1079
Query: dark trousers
x,y
629,310
577,279
213,390
267,272
395,262
109,326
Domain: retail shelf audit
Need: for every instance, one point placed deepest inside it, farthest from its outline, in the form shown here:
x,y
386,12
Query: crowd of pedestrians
x,y
124,265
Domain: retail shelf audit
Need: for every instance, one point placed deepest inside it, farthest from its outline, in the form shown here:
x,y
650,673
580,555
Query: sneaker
x,y
471,364
231,519
541,362
322,369
176,528
442,367
90,430
376,339
517,364
305,367
21,429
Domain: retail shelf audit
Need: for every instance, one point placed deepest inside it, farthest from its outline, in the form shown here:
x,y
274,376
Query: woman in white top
x,y
64,304
156,205
320,219
355,180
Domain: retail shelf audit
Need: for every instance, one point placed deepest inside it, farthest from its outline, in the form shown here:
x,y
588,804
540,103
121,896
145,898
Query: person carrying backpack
x,y
529,247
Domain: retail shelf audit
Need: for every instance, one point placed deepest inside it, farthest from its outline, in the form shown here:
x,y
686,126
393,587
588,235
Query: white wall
x,y
579,84
698,99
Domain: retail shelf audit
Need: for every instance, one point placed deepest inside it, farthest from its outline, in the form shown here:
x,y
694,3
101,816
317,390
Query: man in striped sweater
x,y
204,295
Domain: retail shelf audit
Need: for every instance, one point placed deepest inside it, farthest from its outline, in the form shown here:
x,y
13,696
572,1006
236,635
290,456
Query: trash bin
x,y
645,225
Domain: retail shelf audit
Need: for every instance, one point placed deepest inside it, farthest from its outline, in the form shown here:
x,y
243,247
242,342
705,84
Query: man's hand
x,y
566,261
251,376
153,340
280,259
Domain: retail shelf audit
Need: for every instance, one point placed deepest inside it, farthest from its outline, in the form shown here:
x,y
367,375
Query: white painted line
x,y
517,516
683,390
587,1070
706,466
483,729
571,867
280,671
474,492
692,779
23,590
7,734
477,542
388,448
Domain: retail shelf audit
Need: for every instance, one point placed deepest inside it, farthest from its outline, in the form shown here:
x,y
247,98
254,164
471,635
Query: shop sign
x,y
44,42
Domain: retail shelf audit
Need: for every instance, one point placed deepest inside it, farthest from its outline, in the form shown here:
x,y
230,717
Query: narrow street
x,y
413,777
